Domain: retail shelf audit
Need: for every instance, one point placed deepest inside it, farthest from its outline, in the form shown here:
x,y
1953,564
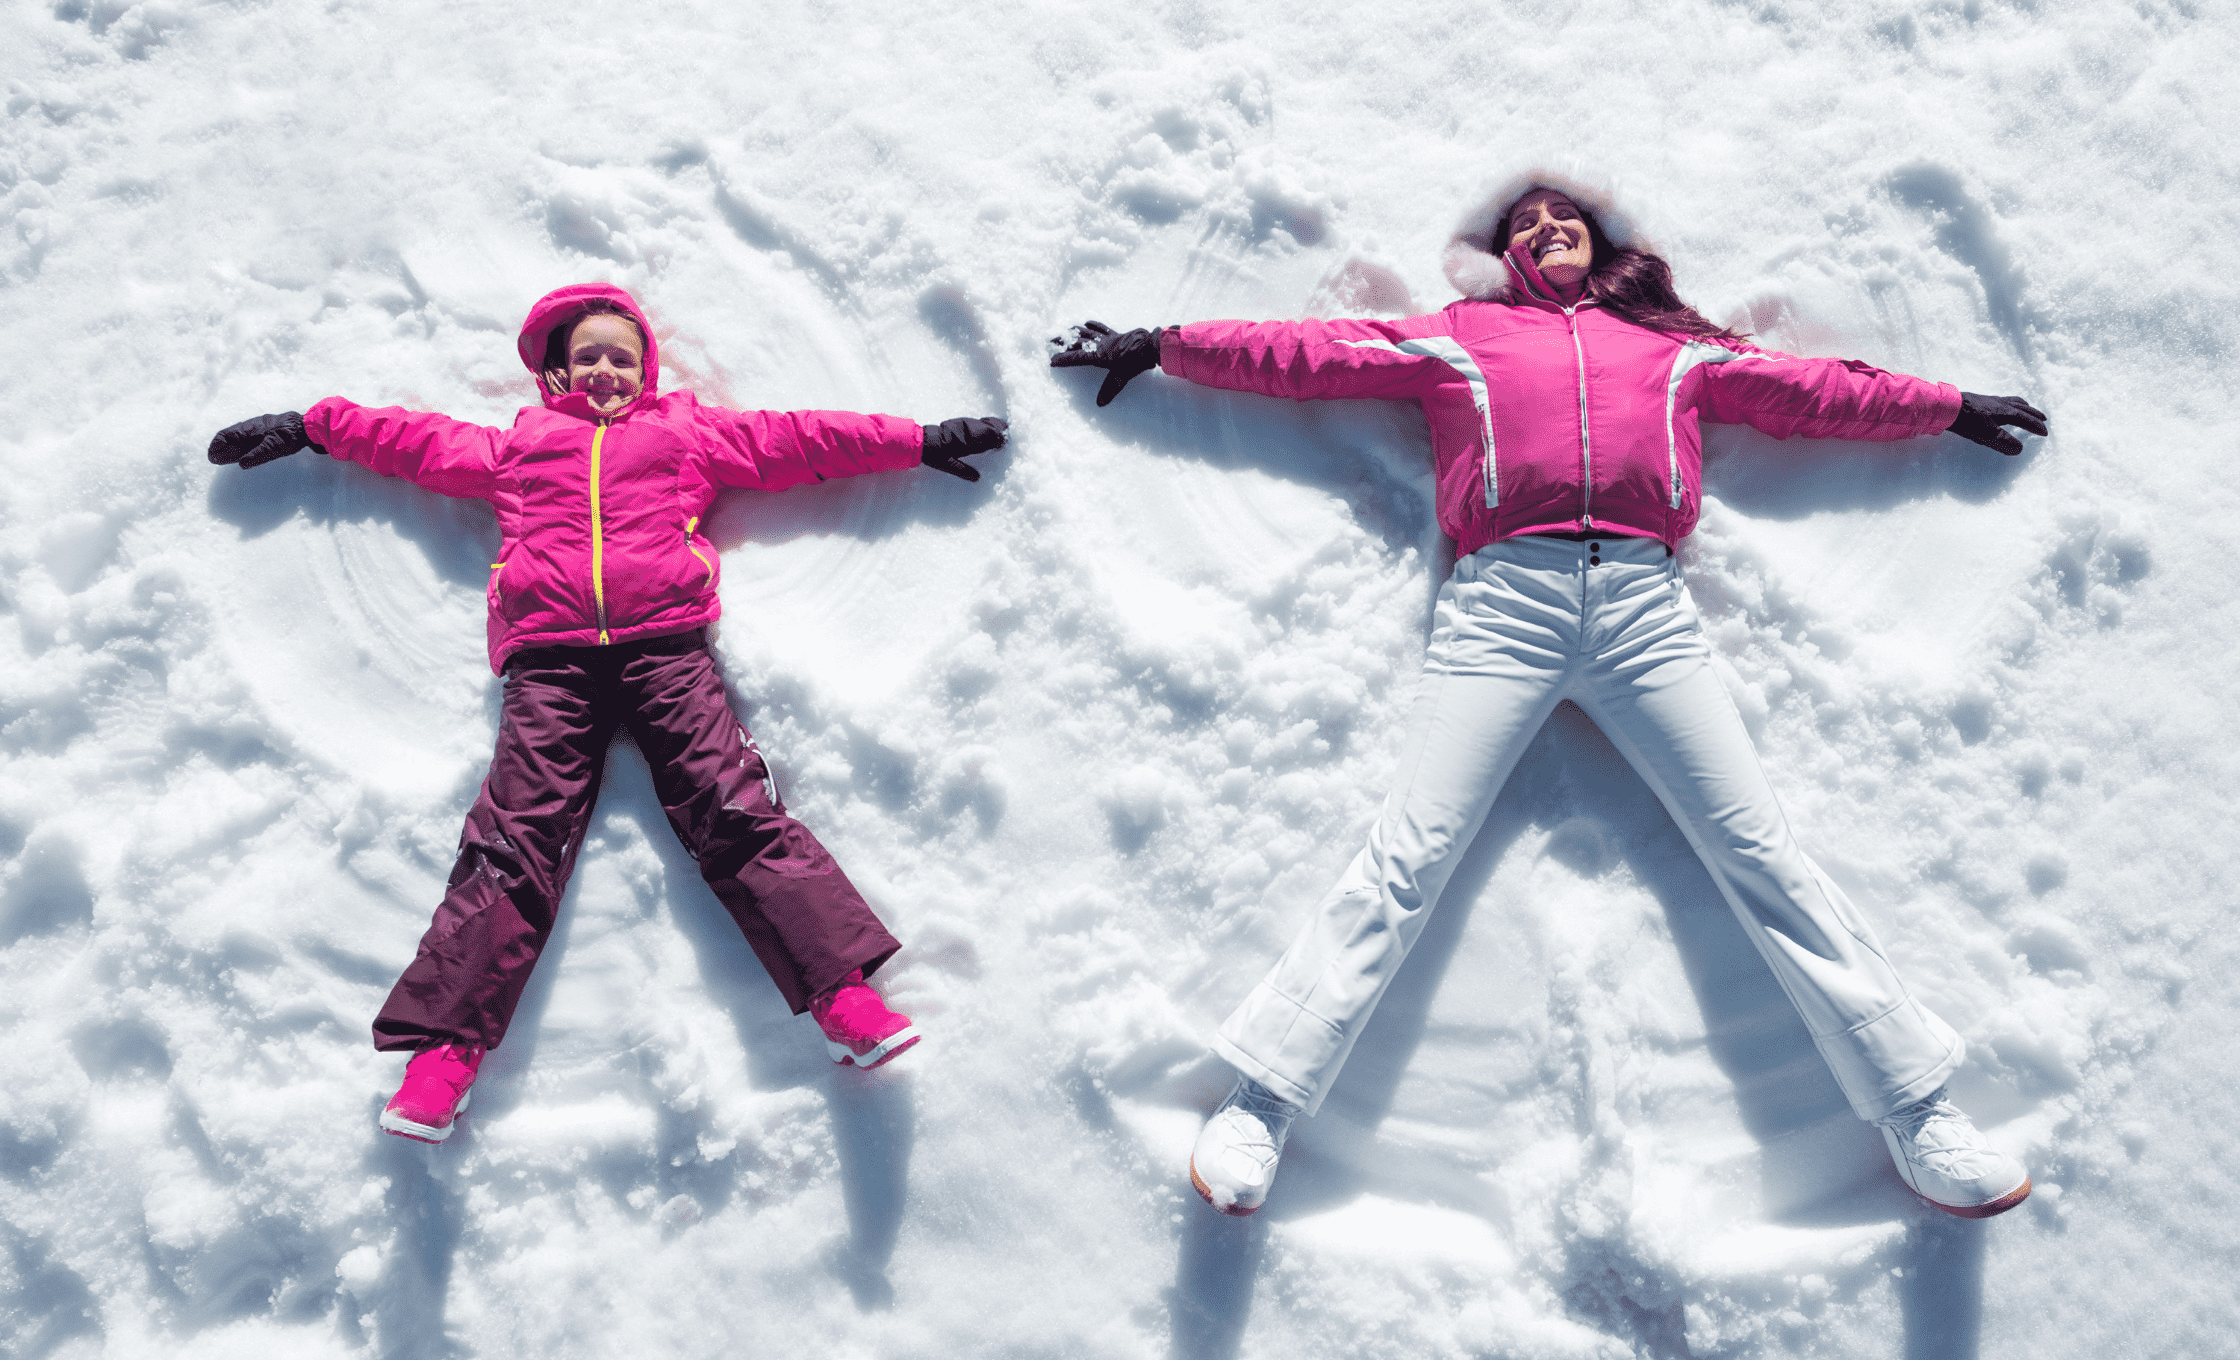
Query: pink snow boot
x,y
859,1030
437,1083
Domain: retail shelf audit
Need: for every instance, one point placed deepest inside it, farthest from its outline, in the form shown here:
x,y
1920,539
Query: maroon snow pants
x,y
805,921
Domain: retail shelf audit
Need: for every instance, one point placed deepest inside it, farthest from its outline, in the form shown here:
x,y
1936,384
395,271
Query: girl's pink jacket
x,y
1547,418
599,521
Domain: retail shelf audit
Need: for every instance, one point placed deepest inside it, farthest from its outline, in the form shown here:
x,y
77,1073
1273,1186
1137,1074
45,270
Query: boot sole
x,y
889,1048
392,1122
1198,1184
1998,1206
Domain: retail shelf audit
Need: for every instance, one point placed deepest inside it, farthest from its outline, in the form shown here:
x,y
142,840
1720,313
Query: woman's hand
x,y
952,441
261,439
1981,417
1121,354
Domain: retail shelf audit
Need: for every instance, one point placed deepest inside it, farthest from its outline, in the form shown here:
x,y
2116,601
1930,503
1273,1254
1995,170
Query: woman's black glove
x,y
1980,418
261,440
952,441
1121,354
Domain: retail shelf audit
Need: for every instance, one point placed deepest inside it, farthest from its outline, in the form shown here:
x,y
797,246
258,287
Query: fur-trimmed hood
x,y
1473,258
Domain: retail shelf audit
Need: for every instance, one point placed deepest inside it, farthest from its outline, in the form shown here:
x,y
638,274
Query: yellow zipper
x,y
598,537
689,526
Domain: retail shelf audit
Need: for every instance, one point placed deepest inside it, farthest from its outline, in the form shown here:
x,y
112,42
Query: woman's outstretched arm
x,y
1787,396
1303,360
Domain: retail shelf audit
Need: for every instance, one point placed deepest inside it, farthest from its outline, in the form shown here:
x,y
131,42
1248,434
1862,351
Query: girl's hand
x,y
260,440
1121,354
952,441
1981,417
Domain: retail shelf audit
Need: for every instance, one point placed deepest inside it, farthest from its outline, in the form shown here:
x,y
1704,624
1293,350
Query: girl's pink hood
x,y
558,306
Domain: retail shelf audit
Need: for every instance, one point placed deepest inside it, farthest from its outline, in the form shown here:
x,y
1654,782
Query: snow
x,y
1093,733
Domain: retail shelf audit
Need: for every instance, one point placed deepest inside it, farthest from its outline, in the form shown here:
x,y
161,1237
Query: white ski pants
x,y
1522,625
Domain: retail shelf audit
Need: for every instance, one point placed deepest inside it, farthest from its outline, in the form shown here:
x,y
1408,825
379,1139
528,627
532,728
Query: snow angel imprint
x,y
1564,392
599,604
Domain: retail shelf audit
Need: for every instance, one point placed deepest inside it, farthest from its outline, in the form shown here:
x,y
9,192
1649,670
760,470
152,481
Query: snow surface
x,y
1094,732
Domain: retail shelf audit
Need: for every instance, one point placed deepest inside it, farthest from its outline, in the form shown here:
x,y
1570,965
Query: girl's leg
x,y
804,919
1652,691
1503,640
515,856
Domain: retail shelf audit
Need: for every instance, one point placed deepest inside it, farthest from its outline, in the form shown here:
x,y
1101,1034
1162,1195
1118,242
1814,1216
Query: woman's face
x,y
606,362
1552,228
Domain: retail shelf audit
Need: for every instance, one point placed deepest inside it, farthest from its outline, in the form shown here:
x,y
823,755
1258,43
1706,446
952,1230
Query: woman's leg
x,y
804,919
515,856
1503,642
1651,689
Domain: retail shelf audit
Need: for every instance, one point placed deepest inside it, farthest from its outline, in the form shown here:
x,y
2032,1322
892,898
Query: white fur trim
x,y
1473,262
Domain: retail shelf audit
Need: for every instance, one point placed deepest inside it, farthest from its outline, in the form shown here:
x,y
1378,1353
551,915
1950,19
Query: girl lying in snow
x,y
599,601
1563,393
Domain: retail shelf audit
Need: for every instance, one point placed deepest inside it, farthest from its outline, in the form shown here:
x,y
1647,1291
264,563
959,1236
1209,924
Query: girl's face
x,y
1552,227
606,362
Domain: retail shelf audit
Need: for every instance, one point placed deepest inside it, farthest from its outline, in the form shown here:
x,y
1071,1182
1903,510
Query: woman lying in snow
x,y
599,601
1563,394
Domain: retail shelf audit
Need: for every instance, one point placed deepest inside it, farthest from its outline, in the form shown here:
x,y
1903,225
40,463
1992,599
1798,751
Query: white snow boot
x,y
1946,1161
1234,1162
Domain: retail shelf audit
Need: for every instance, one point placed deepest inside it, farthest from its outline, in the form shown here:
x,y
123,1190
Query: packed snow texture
x,y
1095,732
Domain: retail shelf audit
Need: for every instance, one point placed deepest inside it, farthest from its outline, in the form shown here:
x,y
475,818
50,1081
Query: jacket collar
x,y
1531,287
578,404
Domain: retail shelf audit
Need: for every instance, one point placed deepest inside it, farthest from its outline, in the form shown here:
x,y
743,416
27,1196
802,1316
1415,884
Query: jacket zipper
x,y
1586,442
689,526
1586,439
598,537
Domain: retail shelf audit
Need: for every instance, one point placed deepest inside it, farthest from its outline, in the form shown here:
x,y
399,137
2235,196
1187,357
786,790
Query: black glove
x,y
261,440
952,441
1980,418
1121,354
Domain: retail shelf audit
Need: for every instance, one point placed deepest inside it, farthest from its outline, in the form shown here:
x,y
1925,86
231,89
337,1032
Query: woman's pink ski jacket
x,y
1552,418
599,520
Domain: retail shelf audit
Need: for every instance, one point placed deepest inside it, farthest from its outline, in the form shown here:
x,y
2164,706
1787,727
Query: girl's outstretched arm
x,y
444,455
772,450
433,451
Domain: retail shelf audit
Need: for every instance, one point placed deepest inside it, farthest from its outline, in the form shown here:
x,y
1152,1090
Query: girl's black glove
x,y
1980,418
1121,354
261,440
952,441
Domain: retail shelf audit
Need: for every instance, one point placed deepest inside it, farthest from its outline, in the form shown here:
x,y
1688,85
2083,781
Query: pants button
x,y
1594,561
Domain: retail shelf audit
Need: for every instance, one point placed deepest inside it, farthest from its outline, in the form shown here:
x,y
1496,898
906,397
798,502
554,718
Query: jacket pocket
x,y
706,559
497,589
